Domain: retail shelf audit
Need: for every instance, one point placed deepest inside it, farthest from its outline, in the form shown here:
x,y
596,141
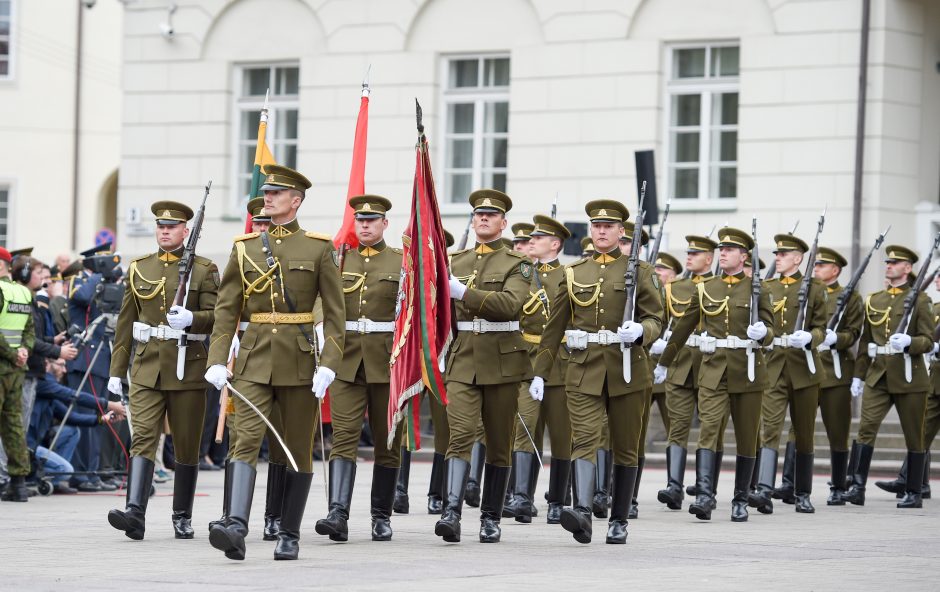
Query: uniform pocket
x,y
575,369
245,345
513,357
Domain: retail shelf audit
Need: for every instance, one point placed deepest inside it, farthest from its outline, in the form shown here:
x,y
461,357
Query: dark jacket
x,y
52,401
44,347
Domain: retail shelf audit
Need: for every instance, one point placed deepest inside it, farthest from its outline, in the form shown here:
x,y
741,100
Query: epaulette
x,y
518,254
578,262
204,261
320,235
395,250
246,236
141,258
461,251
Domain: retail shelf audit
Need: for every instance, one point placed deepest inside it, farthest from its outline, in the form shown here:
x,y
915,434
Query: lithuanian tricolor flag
x,y
263,157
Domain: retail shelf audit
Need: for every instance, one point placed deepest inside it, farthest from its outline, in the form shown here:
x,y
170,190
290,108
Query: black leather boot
x,y
495,481
675,470
925,490
274,500
577,519
634,512
230,537
743,469
296,490
839,460
912,497
342,479
436,489
226,491
755,473
766,475
603,466
853,464
384,483
803,484
16,491
184,490
716,472
785,492
558,479
520,505
131,519
401,505
897,486
624,481
704,502
477,458
457,474
856,492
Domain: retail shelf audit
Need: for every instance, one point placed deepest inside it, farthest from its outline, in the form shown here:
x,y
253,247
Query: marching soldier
x,y
547,238
370,284
681,378
668,269
794,375
732,375
591,303
587,247
893,373
521,235
271,283
487,361
149,317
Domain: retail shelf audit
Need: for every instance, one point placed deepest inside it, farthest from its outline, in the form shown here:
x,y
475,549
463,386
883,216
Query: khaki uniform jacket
x,y
883,312
535,316
722,307
278,353
370,287
935,365
679,293
497,281
784,300
592,299
847,332
149,290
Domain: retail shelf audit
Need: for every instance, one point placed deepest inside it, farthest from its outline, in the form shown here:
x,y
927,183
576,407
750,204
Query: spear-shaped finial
x,y
264,107
418,116
366,89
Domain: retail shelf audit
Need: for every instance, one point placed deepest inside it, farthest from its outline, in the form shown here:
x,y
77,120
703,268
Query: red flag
x,y
423,315
357,176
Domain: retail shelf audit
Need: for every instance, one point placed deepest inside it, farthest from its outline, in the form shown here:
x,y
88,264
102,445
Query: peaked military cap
x,y
899,253
25,251
587,245
547,226
700,244
279,177
732,237
788,242
256,209
367,207
73,269
521,231
827,255
448,239
667,260
96,250
628,230
170,213
490,200
748,263
607,210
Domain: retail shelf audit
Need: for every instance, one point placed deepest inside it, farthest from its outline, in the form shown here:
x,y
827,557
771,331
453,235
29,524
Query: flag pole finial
x,y
267,94
419,116
366,89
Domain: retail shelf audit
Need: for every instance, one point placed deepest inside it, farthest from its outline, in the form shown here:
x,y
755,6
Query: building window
x,y
702,141
281,136
476,130
6,46
4,214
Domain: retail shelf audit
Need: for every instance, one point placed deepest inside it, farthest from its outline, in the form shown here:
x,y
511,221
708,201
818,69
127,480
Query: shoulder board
x,y
518,254
246,236
578,262
203,260
141,258
644,264
461,251
319,235
396,250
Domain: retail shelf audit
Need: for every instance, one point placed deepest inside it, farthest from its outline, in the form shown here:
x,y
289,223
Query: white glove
x,y
900,341
322,379
659,374
857,387
114,385
936,348
658,347
457,289
217,375
233,349
537,388
831,338
757,331
320,338
630,332
179,317
800,339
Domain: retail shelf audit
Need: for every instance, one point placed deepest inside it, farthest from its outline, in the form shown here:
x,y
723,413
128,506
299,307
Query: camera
x,y
108,266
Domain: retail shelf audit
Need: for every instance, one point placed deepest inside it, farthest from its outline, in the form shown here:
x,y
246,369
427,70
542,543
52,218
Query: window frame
x,y
242,104
11,44
479,96
9,185
705,87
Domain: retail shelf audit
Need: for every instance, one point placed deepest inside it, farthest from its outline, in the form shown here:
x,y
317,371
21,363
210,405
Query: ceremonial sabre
x,y
531,439
280,440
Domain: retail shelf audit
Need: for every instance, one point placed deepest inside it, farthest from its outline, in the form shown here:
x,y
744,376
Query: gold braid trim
x,y
158,291
670,300
470,279
870,310
357,284
569,278
702,295
264,282
534,302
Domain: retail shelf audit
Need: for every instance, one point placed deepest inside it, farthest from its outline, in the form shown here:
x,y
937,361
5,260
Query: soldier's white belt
x,y
142,332
782,341
484,326
881,350
708,345
367,326
580,339
694,341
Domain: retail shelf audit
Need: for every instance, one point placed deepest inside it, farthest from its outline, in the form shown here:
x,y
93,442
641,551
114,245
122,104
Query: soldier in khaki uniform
x,y
668,269
521,236
547,238
732,375
591,303
891,370
271,283
149,317
370,283
486,362
794,375
681,379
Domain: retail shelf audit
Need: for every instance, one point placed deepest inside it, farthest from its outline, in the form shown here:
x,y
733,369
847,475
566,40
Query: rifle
x,y
803,295
755,301
772,269
654,252
466,234
911,300
555,207
187,261
630,278
842,300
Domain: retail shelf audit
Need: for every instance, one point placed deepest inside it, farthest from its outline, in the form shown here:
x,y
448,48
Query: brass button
x,y
602,310
601,294
274,295
274,330
364,302
479,256
544,275
166,265
277,242
161,308
365,288
367,259
603,266
301,267
601,280
602,327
